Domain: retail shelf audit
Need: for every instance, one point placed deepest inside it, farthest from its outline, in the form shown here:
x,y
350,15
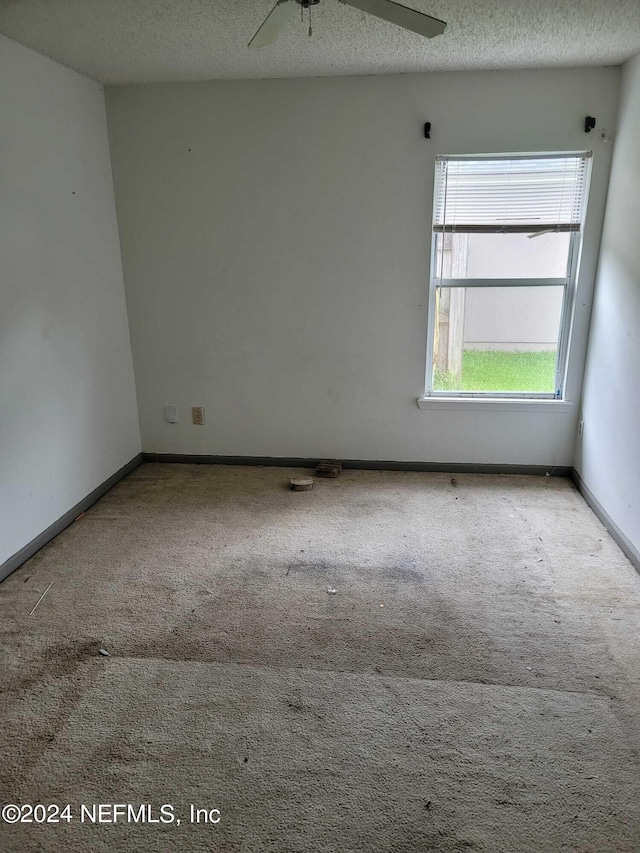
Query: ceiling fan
x,y
284,11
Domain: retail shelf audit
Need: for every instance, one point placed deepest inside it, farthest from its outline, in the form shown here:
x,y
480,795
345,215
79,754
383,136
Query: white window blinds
x,y
525,194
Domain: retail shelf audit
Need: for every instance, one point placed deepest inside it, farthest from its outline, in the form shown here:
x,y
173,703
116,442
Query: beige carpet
x,y
473,683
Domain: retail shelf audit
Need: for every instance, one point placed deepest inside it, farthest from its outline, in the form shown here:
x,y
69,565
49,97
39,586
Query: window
x,y
506,238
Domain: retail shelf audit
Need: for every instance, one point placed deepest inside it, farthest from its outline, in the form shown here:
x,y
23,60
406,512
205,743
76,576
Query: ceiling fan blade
x,y
274,23
418,22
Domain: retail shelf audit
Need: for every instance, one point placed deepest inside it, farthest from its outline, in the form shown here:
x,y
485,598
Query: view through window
x,y
505,244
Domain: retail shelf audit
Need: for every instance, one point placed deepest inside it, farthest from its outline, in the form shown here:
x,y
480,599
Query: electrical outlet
x,y
197,415
580,428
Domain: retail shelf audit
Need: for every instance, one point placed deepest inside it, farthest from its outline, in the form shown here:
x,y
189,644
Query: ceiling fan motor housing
x,y
306,3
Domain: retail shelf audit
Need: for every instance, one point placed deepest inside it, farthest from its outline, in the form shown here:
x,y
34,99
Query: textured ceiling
x,y
131,41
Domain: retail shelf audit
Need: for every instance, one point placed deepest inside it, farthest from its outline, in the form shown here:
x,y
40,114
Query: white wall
x,y
68,415
526,318
607,457
512,318
276,241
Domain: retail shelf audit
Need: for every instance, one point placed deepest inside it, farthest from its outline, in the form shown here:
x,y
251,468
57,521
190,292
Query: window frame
x,y
569,283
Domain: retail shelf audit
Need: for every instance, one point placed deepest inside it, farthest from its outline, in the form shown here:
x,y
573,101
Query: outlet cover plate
x,y
171,414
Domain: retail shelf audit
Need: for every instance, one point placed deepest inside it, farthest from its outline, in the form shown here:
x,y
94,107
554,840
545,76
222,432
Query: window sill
x,y
493,404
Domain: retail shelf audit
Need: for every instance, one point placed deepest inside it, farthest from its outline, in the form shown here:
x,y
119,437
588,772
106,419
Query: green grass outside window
x,y
496,370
